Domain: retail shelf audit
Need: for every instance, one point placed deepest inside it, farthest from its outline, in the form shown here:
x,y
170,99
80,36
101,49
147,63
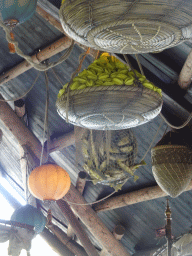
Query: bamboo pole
x,y
134,197
87,215
185,75
51,50
80,184
69,215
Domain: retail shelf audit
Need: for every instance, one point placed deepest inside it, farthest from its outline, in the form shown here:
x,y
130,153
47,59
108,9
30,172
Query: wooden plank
x,y
51,50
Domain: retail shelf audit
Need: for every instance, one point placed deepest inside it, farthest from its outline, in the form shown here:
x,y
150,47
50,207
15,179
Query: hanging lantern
x,y
14,12
30,215
49,182
127,26
108,95
172,164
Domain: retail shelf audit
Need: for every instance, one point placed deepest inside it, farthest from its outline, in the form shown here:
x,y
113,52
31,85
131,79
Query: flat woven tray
x,y
110,107
127,26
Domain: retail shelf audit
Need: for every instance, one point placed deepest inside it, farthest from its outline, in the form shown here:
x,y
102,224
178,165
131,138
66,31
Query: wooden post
x,y
87,215
72,245
168,228
69,215
19,107
134,197
81,180
186,73
51,50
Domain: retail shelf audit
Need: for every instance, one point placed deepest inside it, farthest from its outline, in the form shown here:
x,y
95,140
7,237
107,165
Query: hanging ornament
x,y
49,182
30,215
15,12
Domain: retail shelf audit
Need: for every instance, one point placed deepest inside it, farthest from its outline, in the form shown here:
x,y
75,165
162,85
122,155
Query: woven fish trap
x,y
108,156
110,107
172,168
126,26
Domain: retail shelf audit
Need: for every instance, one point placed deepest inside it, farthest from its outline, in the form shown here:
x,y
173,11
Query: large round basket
x,y
172,168
110,107
127,26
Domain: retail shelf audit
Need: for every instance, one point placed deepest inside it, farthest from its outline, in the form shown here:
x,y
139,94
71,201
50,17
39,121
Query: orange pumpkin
x,y
49,182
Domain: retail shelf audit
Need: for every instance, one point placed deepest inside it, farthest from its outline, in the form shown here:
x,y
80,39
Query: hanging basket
x,y
172,167
108,96
128,27
108,156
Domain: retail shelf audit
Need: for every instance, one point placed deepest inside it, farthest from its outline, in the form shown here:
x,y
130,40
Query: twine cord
x,y
177,127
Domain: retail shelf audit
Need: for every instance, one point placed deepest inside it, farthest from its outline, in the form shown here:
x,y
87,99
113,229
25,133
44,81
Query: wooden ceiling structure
x,y
135,211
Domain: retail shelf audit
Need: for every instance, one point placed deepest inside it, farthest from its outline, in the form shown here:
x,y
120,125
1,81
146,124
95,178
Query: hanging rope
x,y
177,127
45,121
139,64
20,97
40,66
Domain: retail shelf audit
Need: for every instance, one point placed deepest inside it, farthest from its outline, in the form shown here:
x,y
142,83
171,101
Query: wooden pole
x,y
185,75
51,50
87,215
168,228
134,197
61,142
80,184
72,245
75,224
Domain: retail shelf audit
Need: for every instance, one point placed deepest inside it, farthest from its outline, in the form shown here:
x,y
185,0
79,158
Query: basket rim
x,y
111,88
169,146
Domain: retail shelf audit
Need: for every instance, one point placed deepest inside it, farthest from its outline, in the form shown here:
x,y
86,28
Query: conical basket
x,y
172,168
127,26
110,107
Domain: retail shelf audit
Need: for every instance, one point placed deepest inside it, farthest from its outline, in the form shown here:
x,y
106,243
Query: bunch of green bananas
x,y
107,71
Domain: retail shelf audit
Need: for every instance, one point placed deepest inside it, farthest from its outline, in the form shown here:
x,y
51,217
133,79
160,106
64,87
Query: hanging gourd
x,y
127,26
15,12
172,164
49,182
108,95
30,215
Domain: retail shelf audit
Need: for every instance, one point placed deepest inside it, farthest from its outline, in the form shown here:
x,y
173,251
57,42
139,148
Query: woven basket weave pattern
x,y
110,108
172,168
126,26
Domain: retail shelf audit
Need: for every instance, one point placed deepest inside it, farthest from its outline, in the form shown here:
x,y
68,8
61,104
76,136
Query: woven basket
x,y
127,26
110,107
172,168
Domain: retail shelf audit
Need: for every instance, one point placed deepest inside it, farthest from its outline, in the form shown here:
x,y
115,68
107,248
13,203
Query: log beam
x,y
134,197
87,215
51,50
62,142
79,231
185,75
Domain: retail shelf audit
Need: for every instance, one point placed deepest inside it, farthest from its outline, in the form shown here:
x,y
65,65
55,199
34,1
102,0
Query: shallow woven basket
x,y
110,107
172,168
127,26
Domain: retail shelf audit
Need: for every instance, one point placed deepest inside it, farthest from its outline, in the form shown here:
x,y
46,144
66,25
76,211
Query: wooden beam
x,y
51,50
79,231
72,245
61,142
134,197
87,215
80,184
185,75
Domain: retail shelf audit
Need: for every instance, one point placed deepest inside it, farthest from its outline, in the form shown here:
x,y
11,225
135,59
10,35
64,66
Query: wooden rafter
x,y
87,215
186,73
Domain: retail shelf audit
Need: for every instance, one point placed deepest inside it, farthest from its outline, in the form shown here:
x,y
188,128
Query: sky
x,y
39,246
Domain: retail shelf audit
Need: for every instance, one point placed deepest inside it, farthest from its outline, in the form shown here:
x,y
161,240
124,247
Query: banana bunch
x,y
107,71
110,165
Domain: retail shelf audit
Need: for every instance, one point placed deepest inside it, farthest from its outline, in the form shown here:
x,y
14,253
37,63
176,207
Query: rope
x,y
81,59
40,66
139,64
20,97
57,77
45,119
177,127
